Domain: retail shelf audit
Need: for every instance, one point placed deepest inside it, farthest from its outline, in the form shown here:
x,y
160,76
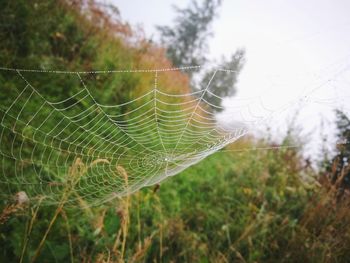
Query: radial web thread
x,y
102,151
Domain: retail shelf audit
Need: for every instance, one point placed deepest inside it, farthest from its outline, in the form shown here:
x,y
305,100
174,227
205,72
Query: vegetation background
x,y
238,206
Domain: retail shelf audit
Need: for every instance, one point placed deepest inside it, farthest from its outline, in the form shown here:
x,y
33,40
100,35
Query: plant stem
x,y
64,215
29,230
58,210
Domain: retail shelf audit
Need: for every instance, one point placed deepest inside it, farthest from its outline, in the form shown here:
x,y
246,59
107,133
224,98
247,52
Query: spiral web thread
x,y
105,151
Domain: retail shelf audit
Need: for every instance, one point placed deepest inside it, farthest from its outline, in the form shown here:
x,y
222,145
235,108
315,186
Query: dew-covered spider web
x,y
97,151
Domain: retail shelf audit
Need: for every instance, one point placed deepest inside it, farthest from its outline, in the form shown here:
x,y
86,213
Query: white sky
x,y
296,51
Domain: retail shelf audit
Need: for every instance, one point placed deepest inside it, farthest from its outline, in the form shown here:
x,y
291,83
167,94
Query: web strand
x,y
146,138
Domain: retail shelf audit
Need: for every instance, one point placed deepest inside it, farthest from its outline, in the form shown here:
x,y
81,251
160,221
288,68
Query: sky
x,y
297,57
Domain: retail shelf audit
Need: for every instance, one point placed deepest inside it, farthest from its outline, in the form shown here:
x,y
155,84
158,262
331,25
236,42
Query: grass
x,y
249,206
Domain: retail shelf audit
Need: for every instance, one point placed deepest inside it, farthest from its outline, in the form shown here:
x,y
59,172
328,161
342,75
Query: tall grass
x,y
250,206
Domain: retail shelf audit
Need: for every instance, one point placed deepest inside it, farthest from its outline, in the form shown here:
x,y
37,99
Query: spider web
x,y
95,152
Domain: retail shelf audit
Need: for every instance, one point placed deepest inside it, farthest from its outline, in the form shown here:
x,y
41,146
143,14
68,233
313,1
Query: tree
x,y
223,84
341,171
186,45
186,41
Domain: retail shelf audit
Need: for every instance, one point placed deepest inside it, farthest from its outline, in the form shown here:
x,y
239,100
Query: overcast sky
x,y
297,51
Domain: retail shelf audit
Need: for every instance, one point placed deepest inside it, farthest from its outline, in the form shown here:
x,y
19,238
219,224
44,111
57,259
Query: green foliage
x,y
230,206
243,206
57,35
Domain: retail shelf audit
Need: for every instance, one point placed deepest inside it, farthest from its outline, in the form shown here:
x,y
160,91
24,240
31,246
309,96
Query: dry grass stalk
x,y
158,208
123,213
64,216
21,201
98,161
98,222
41,244
29,228
74,174
141,251
7,212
